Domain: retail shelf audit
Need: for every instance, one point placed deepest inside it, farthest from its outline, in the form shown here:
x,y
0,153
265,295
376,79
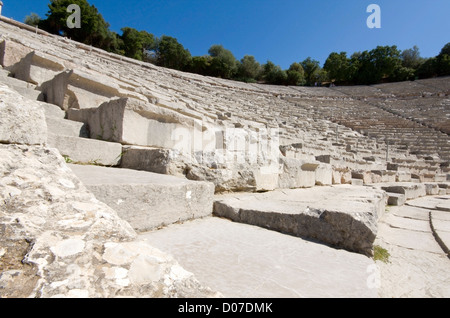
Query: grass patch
x,y
67,159
380,254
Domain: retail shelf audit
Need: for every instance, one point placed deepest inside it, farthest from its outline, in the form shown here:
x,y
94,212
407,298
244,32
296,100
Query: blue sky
x,y
283,31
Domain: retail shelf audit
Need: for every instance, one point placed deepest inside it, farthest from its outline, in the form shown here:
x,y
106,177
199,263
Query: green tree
x,y
355,65
200,65
338,66
33,19
411,58
443,61
428,68
137,44
248,69
171,54
223,63
310,67
445,50
378,65
402,73
321,76
94,29
273,74
295,75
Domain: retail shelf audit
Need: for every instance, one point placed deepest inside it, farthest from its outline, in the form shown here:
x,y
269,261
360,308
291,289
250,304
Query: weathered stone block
x,y
295,173
431,189
403,176
22,121
86,151
410,190
75,89
396,199
37,68
341,216
25,89
365,176
131,122
157,160
79,90
64,127
148,200
324,175
12,52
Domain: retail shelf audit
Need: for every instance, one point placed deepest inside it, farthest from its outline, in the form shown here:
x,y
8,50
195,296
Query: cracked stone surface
x,y
243,261
417,266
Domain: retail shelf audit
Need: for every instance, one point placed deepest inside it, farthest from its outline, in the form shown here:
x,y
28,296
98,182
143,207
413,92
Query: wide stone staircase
x,y
299,171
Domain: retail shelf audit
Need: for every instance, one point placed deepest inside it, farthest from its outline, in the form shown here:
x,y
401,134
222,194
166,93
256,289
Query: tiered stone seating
x,y
354,148
199,117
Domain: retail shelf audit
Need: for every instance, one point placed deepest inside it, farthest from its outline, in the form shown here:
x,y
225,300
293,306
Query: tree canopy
x,y
223,63
172,54
137,44
94,29
382,64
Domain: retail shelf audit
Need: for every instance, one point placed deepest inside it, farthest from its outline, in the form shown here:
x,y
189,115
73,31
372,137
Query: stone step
x,y
396,199
52,111
411,190
147,200
242,261
342,216
65,127
86,151
23,88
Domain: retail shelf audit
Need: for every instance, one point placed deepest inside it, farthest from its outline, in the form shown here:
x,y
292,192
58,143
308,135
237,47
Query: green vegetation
x,y
380,254
67,159
380,65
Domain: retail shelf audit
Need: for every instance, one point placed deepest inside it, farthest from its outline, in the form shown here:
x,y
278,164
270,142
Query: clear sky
x,y
283,31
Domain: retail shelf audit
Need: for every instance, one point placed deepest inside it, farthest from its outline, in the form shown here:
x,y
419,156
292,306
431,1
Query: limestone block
x,y
37,68
410,190
77,89
52,111
64,127
388,176
202,167
357,182
324,175
297,173
147,200
346,177
58,240
86,151
22,121
342,216
376,176
403,176
12,52
25,89
365,176
440,177
396,199
132,122
336,177
431,188
157,160
266,178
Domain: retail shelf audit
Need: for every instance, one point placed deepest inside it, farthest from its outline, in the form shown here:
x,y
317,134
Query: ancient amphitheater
x,y
121,178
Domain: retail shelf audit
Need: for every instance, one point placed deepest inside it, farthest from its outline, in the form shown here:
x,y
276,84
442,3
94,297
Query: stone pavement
x,y
418,265
241,260
244,261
